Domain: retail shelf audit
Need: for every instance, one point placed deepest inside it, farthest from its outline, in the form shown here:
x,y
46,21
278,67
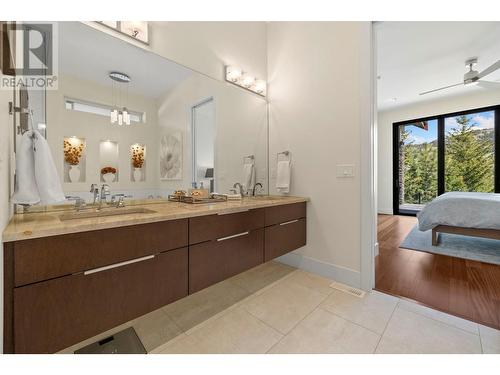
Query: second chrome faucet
x,y
101,197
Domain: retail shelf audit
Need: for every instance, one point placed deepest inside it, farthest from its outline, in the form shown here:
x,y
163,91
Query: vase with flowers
x,y
108,174
137,161
73,151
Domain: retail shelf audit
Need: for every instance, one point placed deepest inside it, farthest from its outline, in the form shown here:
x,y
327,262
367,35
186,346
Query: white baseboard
x,y
331,271
385,211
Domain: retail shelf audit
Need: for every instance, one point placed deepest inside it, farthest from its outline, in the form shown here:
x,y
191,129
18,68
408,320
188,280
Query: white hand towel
x,y
46,176
283,176
26,191
248,176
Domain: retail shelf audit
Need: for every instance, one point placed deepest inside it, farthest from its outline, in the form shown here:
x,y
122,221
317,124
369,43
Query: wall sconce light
x,y
260,87
233,74
237,77
247,81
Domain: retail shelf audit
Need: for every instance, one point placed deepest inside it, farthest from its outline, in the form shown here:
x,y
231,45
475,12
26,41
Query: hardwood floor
x,y
465,288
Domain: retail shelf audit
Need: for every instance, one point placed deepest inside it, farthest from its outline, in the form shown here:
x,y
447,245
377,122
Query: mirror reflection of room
x,y
110,109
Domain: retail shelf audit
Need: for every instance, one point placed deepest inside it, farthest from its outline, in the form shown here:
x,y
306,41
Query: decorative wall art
x,y
171,156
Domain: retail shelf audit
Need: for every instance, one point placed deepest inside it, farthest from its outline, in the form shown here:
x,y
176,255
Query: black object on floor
x,y
123,342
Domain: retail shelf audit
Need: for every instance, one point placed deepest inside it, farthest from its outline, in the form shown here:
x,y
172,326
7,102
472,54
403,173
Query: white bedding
x,y
461,209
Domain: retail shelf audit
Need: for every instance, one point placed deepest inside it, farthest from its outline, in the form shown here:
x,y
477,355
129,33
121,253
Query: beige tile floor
x,y
274,308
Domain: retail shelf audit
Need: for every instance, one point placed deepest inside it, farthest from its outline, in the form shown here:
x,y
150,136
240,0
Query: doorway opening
x,y
436,133
203,133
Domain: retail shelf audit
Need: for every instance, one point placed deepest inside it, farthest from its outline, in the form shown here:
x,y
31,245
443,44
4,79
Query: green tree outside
x,y
469,163
469,159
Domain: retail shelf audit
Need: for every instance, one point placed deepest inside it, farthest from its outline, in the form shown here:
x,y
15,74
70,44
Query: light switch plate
x,y
345,170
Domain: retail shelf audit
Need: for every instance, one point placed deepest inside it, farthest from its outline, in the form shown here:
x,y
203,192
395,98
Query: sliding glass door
x,y
470,152
418,164
452,152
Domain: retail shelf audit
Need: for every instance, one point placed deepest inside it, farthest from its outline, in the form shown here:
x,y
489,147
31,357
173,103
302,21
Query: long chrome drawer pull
x,y
233,236
232,212
100,269
289,222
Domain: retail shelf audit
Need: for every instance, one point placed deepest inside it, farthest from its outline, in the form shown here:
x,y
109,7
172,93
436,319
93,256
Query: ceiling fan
x,y
473,77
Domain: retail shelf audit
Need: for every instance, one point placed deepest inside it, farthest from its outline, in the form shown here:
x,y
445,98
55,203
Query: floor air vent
x,y
348,289
123,342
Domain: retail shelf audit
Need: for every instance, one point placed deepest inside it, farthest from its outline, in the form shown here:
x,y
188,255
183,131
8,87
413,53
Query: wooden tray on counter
x,y
197,200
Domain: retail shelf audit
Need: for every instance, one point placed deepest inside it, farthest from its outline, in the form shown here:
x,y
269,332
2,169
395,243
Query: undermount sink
x,y
105,212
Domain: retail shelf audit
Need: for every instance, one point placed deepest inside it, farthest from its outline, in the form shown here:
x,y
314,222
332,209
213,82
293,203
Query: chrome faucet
x,y
255,187
240,186
118,200
95,190
105,191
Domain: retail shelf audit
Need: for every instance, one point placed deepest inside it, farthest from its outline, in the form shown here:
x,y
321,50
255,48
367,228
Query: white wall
x,y
207,46
315,71
6,122
476,99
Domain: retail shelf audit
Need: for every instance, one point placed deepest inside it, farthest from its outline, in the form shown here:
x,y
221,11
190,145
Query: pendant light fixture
x,y
120,114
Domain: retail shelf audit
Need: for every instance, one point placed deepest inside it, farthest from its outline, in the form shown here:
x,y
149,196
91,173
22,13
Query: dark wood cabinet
x,y
285,229
205,228
63,289
49,257
216,260
283,238
284,213
58,313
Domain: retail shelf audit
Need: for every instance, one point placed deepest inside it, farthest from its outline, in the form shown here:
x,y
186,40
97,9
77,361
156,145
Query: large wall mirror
x,y
145,125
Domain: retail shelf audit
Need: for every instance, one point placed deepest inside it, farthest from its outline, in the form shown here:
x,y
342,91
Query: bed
x,y
468,214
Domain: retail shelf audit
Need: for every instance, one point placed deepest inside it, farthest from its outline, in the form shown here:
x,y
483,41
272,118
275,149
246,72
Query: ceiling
x,y
91,55
414,57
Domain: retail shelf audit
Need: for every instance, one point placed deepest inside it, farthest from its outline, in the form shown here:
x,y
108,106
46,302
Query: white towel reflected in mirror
x,y
283,176
248,175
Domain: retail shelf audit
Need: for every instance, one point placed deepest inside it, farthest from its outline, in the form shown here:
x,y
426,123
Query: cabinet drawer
x,y
284,213
211,227
52,315
49,257
214,261
281,239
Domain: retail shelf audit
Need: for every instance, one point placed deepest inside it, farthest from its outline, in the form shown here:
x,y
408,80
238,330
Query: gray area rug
x,y
454,245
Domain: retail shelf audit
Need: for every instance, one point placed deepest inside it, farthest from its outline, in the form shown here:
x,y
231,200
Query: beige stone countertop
x,y
44,224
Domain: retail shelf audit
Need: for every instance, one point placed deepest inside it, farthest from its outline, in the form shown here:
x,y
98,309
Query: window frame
x,y
441,151
72,101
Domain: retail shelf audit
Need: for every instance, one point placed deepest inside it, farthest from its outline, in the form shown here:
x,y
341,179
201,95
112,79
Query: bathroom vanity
x,y
69,274
66,281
